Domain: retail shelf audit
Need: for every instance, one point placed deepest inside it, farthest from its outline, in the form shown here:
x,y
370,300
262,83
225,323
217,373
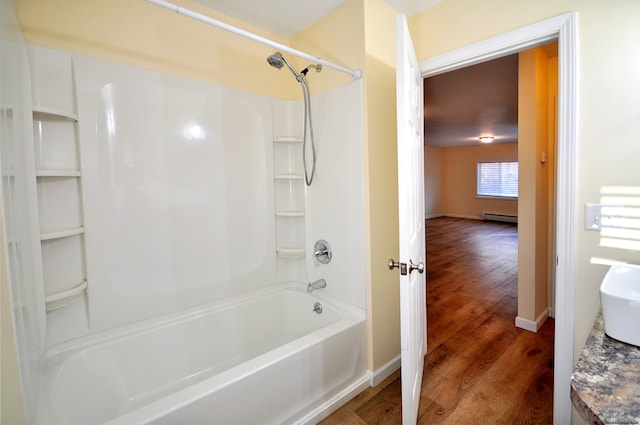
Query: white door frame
x,y
563,29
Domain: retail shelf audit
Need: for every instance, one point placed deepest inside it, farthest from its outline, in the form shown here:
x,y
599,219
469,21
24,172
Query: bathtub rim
x,y
61,351
349,316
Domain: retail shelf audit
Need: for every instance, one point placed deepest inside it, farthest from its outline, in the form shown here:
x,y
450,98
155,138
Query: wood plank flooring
x,y
479,368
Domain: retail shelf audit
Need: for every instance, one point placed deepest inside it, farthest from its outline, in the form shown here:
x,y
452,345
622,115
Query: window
x,y
498,179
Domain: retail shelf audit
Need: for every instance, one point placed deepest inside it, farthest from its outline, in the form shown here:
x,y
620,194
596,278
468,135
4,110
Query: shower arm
x,y
356,74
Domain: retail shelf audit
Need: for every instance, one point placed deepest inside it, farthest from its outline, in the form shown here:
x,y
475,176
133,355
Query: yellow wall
x,y
459,179
608,101
338,38
381,191
142,34
551,165
432,181
535,180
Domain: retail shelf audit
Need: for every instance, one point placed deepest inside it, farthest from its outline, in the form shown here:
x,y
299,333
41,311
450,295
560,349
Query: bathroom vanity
x,y
605,385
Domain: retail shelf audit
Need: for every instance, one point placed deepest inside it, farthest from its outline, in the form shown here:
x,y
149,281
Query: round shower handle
x,y
322,253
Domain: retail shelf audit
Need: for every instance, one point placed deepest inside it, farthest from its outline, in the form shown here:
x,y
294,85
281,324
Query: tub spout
x,y
320,283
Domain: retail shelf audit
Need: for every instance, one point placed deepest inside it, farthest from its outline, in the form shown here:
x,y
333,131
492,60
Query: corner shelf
x,y
288,176
61,299
58,173
47,234
287,139
289,213
289,191
46,177
45,113
292,253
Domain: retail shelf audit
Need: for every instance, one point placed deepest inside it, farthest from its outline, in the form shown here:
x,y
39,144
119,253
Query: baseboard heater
x,y
509,218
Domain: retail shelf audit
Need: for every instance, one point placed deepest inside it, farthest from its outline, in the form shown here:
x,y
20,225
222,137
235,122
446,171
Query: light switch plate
x,y
593,216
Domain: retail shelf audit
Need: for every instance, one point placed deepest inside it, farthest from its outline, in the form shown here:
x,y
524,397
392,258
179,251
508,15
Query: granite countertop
x,y
605,385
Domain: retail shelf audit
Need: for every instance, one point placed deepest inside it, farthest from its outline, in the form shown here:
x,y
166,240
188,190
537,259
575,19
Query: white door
x,y
413,314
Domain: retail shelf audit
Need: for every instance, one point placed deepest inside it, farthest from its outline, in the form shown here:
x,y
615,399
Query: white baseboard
x,y
530,325
472,217
335,402
385,371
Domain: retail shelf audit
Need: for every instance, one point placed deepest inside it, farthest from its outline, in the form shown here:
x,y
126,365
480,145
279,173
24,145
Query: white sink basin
x,y
620,299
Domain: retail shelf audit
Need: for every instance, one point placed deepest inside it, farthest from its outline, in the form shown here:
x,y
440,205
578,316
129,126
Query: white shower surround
x,y
178,190
178,206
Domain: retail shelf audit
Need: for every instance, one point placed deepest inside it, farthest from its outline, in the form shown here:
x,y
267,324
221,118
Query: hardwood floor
x,y
479,368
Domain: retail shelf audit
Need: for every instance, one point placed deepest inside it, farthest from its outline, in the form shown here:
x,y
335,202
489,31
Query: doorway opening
x,y
563,29
465,255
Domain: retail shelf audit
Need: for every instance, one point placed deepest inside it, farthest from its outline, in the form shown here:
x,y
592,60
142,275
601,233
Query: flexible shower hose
x,y
307,122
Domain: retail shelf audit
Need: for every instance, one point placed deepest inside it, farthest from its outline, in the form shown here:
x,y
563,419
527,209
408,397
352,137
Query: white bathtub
x,y
263,358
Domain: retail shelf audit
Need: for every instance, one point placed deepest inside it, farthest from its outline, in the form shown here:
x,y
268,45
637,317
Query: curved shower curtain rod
x,y
356,74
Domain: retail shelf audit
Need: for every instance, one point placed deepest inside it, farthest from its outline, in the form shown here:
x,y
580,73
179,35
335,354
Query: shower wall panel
x,y
335,200
333,205
178,191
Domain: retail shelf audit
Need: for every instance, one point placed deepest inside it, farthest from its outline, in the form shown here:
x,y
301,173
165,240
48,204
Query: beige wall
x,y
432,181
381,189
535,100
459,180
142,34
338,38
608,101
552,129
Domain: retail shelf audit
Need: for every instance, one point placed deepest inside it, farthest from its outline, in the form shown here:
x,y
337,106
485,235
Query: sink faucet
x,y
320,283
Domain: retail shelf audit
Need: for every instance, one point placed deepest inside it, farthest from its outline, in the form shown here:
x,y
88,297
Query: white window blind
x,y
498,179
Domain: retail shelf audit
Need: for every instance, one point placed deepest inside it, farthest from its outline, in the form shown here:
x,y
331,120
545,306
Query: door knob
x,y
397,265
419,267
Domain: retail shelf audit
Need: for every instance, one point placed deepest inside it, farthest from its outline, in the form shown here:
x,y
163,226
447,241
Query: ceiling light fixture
x,y
486,139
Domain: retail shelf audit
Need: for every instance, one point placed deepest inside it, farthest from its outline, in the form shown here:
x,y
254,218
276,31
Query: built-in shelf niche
x,y
291,253
58,182
58,176
57,173
289,213
63,298
289,192
46,113
49,234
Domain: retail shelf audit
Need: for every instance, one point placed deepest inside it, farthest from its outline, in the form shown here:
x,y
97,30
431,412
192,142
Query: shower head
x,y
276,60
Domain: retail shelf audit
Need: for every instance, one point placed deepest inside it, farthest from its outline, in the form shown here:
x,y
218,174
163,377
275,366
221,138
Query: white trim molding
x,y
471,217
385,371
562,28
530,325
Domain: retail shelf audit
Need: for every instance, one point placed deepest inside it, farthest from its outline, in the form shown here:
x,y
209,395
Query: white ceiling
x,y
289,17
